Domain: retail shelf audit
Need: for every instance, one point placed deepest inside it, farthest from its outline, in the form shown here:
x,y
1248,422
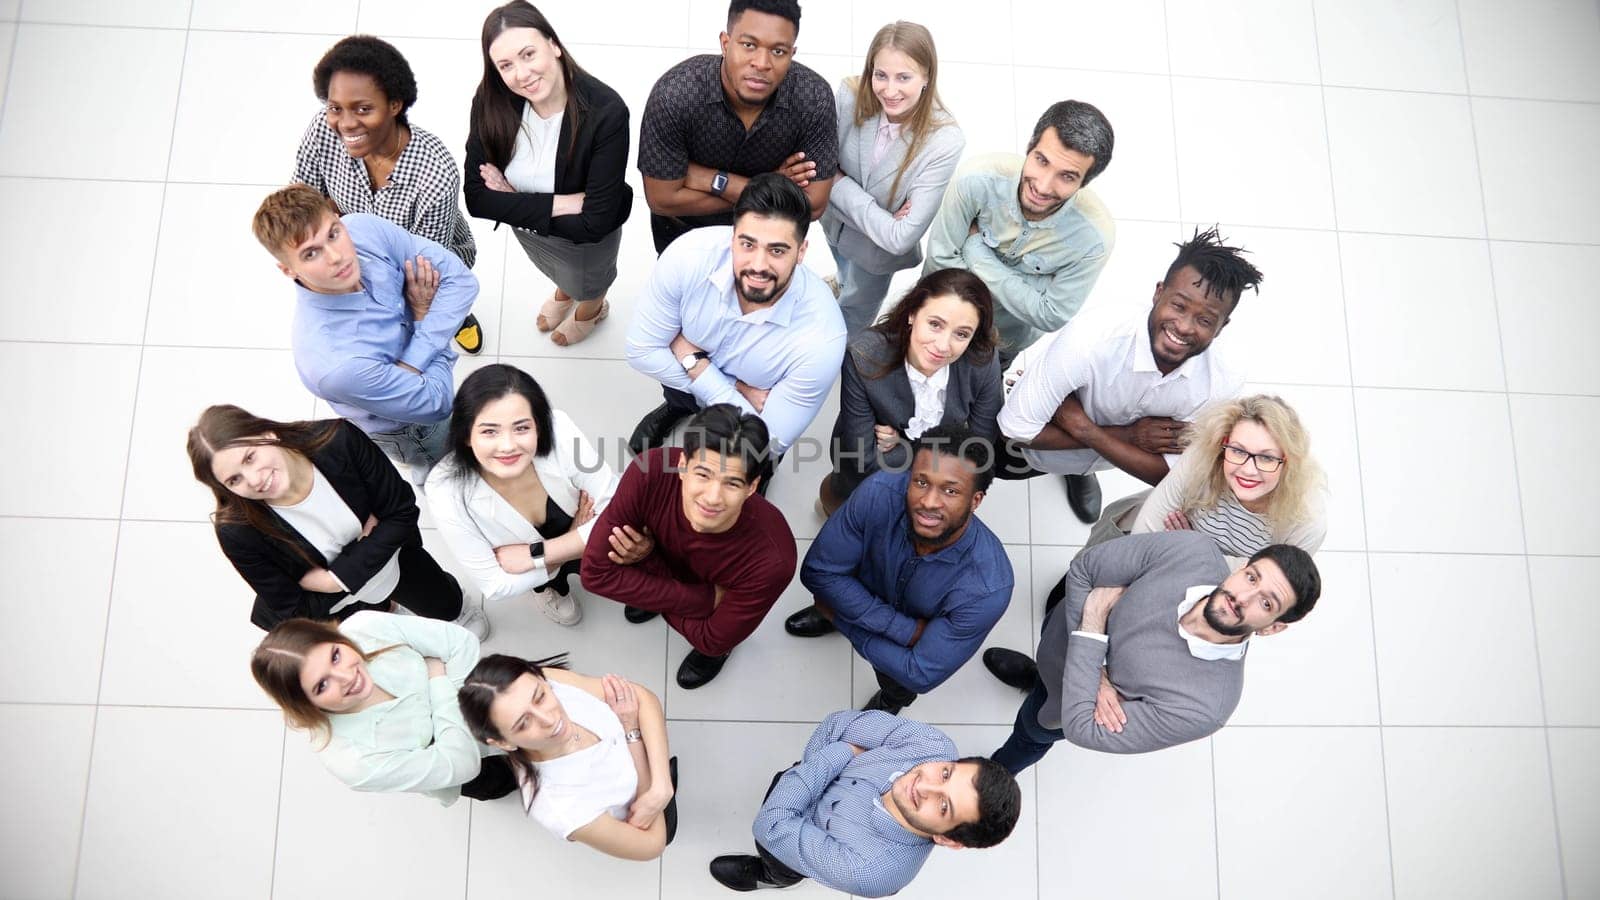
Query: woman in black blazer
x,y
546,154
317,520
942,334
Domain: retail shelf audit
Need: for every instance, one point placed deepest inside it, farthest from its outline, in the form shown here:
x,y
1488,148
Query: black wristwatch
x,y
719,183
536,550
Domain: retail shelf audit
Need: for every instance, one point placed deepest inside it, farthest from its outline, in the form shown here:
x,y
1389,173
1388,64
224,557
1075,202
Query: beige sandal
x,y
553,313
575,329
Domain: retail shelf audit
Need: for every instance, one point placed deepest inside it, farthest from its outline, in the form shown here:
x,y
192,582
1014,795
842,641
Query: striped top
x,y
1237,531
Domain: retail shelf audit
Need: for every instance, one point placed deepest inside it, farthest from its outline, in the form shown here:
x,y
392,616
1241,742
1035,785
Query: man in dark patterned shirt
x,y
712,122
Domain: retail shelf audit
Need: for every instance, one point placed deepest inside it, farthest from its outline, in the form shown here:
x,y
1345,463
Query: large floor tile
x,y
1455,640
1124,34
1470,813
48,129
507,845
448,71
1322,670
1555,193
177,825
1096,805
175,386
1139,261
1421,312
1572,755
1501,42
178,643
1403,163
1557,500
133,13
313,16
1378,44
723,771
1274,787
1258,40
274,104
1052,521
1287,155
1293,329
961,36
1567,624
43,815
1545,318
83,304
65,477
989,118
57,612
1461,500
800,680
1328,415
971,695
381,830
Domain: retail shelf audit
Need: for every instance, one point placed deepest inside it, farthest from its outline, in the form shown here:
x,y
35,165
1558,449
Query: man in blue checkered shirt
x,y
866,804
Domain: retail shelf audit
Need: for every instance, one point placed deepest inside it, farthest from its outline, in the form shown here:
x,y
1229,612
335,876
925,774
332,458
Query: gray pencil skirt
x,y
583,271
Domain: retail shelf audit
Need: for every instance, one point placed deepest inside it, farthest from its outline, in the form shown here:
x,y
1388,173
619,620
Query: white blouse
x,y
928,393
577,788
328,524
532,169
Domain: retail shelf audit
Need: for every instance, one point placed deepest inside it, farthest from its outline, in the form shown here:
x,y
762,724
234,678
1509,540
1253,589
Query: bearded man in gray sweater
x,y
1147,648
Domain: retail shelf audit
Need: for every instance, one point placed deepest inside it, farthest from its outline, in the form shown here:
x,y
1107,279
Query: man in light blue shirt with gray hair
x,y
865,805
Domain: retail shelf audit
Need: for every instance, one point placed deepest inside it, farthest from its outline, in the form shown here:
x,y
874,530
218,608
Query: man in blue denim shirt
x,y
1026,226
906,572
376,309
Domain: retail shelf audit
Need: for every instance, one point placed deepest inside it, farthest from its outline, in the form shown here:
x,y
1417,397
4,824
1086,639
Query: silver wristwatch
x,y
691,359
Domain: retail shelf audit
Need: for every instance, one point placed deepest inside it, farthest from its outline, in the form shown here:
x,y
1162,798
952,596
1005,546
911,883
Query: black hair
x,y
999,804
375,58
774,196
487,680
1224,271
496,110
959,441
483,387
1301,573
723,429
787,9
1081,127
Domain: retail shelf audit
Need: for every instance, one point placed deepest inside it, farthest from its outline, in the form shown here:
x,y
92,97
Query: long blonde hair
x,y
1290,501
929,115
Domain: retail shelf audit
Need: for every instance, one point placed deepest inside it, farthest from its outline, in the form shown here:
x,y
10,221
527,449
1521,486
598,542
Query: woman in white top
x,y
898,148
317,520
379,694
1246,478
519,491
590,753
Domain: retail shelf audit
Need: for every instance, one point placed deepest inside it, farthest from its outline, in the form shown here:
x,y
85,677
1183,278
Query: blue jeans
x,y
860,294
415,446
1029,741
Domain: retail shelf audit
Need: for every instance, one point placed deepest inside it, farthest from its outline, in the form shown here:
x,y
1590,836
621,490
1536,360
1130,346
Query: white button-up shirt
x,y
928,392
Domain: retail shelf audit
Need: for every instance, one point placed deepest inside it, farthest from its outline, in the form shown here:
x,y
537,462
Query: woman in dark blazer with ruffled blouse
x,y
929,361
546,154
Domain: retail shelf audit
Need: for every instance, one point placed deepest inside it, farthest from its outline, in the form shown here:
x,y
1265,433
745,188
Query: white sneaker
x,y
473,620
558,609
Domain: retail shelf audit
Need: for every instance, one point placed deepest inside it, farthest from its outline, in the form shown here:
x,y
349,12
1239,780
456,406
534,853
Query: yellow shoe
x,y
470,336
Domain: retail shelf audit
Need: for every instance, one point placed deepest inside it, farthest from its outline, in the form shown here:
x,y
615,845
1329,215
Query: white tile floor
x,y
1415,177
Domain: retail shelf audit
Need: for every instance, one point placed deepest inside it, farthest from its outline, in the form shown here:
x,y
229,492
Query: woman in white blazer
x,y
519,491
898,148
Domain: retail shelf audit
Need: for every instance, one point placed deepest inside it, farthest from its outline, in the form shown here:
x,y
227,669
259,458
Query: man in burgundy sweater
x,y
687,536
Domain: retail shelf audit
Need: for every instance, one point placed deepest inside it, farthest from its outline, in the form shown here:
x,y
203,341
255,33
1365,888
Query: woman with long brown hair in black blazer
x,y
546,154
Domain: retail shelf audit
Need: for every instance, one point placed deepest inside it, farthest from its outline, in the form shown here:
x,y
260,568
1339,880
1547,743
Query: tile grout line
x,y
1516,469
1355,437
11,64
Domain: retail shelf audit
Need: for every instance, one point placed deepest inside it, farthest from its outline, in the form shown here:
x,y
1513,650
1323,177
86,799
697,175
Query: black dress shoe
x,y
638,616
1012,668
654,429
808,623
738,871
671,812
697,669
876,701
1083,495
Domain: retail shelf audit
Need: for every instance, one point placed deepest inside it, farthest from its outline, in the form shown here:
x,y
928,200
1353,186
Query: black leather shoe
x,y
1083,495
876,701
808,623
1012,668
671,812
654,429
737,871
636,615
697,669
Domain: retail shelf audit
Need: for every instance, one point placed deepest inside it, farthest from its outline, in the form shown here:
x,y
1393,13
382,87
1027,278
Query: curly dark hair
x,y
375,58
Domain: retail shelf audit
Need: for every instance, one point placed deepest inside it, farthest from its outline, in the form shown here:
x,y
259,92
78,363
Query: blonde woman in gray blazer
x,y
519,491
898,148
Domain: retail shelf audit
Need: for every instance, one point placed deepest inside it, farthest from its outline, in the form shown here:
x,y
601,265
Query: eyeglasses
x,y
1239,456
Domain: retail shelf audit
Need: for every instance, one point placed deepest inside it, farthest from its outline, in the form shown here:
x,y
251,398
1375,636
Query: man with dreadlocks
x,y
1099,397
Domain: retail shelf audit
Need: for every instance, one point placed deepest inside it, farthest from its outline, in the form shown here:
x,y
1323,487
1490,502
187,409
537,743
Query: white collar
x,y
1200,648
936,381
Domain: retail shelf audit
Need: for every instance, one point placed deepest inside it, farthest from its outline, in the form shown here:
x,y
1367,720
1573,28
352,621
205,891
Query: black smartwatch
x,y
719,183
536,550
